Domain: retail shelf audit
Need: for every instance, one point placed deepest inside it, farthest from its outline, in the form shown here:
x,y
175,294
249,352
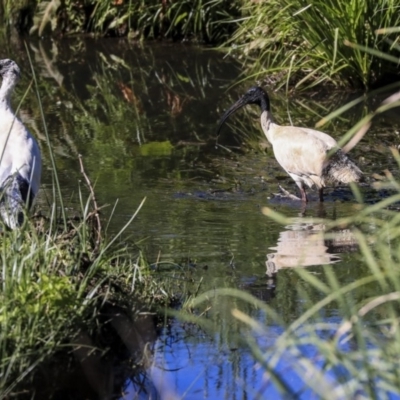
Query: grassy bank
x,y
56,283
303,44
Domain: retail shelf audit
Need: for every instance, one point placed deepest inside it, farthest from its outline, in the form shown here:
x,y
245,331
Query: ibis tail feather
x,y
341,169
15,196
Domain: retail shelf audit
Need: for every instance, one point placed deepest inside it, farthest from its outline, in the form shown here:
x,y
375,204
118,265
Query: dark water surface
x,y
144,119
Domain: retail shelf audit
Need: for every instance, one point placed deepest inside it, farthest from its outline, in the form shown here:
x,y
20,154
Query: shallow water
x,y
144,119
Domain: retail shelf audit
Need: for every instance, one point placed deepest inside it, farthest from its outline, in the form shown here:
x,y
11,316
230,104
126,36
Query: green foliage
x,y
294,41
205,20
319,41
46,295
46,13
199,20
156,148
17,13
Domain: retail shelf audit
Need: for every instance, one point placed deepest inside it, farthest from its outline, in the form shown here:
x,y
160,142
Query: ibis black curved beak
x,y
239,104
255,95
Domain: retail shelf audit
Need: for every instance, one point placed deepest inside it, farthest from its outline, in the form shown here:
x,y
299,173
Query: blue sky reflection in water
x,y
144,119
210,371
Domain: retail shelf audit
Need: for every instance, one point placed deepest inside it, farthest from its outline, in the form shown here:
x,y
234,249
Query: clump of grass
x,y
308,43
55,279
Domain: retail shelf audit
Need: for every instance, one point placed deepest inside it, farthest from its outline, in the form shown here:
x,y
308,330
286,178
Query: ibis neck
x,y
6,89
264,103
266,124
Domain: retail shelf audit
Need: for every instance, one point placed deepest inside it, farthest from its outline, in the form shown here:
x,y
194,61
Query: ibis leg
x,y
302,191
303,194
321,195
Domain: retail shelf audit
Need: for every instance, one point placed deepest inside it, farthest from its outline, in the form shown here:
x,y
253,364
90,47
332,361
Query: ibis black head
x,y
9,68
255,95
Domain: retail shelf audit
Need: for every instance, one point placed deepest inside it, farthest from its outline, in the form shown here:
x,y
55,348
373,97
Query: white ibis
x,y
20,160
310,157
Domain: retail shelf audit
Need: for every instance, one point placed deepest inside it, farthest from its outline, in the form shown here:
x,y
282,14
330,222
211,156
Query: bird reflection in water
x,y
305,242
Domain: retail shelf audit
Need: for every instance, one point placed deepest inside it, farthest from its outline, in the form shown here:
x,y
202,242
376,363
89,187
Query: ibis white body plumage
x,y
310,157
20,160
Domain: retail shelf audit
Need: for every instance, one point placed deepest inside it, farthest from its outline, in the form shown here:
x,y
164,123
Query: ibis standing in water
x,y
310,157
20,160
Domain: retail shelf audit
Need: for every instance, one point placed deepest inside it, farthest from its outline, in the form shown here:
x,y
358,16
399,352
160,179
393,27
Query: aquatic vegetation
x,y
304,43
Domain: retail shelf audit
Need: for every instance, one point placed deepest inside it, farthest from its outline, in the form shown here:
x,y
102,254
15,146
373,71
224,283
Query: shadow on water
x,y
144,119
98,362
